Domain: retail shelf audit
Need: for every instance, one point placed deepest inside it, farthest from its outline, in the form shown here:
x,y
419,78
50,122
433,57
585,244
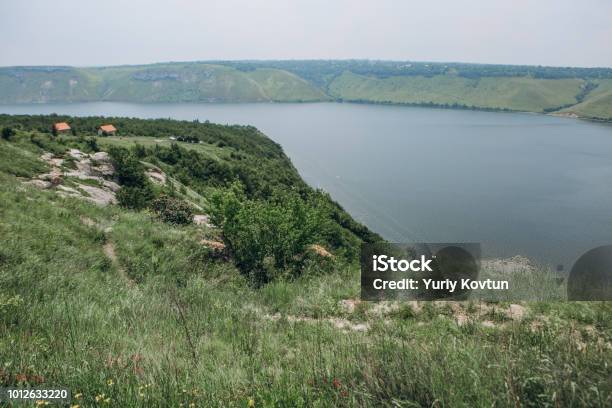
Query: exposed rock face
x,y
202,219
103,165
42,184
99,195
156,176
88,167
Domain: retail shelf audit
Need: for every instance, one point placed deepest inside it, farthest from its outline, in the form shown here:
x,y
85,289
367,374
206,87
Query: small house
x,y
107,130
61,127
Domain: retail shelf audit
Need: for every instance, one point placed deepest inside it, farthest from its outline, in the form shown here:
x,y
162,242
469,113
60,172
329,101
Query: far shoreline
x,y
557,114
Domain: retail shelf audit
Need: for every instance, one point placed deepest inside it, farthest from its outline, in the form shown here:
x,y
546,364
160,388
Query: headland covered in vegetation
x,y
574,92
187,264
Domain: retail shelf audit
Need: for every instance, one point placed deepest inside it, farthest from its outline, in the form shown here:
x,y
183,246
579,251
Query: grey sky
x,y
110,32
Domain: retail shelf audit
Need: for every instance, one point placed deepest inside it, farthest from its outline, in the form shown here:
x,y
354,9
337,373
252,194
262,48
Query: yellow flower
x,y
75,406
100,397
108,400
251,403
40,403
110,382
78,395
192,405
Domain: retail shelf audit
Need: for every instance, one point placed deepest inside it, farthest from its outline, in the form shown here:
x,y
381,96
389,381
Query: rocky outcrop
x,y
97,167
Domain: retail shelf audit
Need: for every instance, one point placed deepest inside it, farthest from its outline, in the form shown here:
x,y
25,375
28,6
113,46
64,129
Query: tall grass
x,y
191,330
168,323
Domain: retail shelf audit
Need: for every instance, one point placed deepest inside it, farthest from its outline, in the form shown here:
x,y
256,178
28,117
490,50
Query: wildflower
x,y
78,395
100,397
75,406
251,403
40,403
192,405
337,383
107,400
110,382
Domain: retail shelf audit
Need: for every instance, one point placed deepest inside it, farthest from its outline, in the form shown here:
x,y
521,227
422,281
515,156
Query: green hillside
x,y
598,104
138,307
512,93
584,92
154,83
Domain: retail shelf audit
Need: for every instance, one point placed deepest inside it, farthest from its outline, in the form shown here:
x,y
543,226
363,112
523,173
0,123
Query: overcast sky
x,y
110,32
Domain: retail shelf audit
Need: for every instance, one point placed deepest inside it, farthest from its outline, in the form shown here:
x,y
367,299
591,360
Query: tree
x,y
266,238
135,198
7,133
136,191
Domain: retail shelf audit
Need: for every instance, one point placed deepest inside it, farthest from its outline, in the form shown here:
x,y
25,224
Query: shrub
x,y
266,238
128,170
135,198
48,144
92,144
7,133
136,191
139,151
172,210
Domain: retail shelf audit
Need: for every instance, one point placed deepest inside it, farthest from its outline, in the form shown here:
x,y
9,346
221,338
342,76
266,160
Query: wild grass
x,y
166,322
191,329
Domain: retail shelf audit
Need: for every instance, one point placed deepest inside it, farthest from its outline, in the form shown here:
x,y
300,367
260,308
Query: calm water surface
x,y
518,183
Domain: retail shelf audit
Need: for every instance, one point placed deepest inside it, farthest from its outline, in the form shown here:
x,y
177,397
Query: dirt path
x,y
109,251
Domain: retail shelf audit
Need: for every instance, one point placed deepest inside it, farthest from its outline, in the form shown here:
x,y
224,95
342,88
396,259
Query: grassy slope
x,y
598,103
38,85
192,331
524,94
155,83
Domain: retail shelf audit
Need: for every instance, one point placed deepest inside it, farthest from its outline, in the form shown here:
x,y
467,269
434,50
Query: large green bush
x,y
172,210
136,191
7,133
135,198
267,238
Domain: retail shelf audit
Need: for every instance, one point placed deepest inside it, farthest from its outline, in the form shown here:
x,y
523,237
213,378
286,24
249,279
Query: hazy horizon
x,y
138,32
296,59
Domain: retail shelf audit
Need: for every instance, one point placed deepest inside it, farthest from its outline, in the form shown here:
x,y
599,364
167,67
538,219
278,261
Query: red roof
x,y
108,128
61,126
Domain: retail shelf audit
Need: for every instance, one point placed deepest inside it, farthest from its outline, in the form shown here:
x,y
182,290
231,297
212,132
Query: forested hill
x,y
584,92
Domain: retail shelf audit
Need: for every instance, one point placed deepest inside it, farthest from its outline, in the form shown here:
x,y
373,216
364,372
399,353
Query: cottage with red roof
x,y
61,127
107,130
